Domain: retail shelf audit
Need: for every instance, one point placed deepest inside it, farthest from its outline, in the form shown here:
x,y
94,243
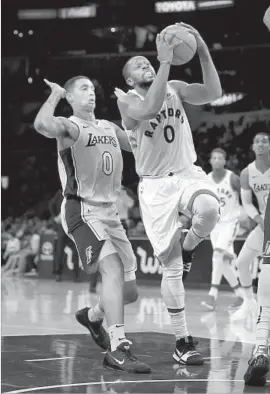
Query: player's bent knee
x,y
111,267
206,214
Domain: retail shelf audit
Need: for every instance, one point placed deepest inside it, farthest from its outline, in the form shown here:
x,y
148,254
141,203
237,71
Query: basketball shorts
x,y
161,200
223,237
254,240
97,232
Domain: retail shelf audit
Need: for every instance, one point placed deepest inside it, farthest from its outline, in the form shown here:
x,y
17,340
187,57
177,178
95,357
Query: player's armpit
x,y
195,93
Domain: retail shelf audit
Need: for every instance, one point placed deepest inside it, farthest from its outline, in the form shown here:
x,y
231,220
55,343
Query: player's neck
x,y
85,115
262,162
219,173
142,90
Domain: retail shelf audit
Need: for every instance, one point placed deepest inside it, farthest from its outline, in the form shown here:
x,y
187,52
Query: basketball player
x,y
255,178
259,362
90,169
223,235
161,140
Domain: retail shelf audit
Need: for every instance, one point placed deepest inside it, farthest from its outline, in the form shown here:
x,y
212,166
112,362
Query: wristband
x,y
165,61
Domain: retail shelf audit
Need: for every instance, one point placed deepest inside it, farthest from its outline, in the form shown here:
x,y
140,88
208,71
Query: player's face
x,y
261,145
83,94
141,72
217,161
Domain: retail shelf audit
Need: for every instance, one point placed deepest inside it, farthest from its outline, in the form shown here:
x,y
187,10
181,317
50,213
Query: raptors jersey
x,y
260,185
163,144
92,167
229,198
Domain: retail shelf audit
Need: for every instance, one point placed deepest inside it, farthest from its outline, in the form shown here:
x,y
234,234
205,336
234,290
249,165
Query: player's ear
x,y
69,97
130,82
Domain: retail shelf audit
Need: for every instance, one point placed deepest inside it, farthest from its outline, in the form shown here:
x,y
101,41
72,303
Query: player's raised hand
x,y
164,49
121,95
194,32
56,88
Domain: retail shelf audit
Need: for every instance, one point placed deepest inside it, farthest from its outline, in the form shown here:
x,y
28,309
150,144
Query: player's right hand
x,y
164,49
56,88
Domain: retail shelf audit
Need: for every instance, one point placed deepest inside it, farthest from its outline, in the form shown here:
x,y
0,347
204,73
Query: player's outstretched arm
x,y
266,18
210,90
45,122
122,138
246,197
133,107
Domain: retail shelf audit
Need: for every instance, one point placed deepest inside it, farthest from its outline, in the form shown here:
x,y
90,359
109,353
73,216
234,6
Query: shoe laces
x,y
127,353
190,345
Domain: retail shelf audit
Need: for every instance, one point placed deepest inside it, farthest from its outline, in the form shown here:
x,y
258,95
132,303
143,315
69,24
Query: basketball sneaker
x,y
187,256
210,303
96,329
185,352
122,359
258,367
236,304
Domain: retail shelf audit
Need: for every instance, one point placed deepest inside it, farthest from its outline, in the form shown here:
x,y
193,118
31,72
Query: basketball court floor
x,y
45,350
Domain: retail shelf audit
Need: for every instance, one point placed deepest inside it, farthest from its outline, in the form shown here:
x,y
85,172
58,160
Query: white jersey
x,y
92,167
229,198
260,185
163,144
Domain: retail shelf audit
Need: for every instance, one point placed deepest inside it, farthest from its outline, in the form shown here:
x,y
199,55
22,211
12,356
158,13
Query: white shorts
x,y
223,237
97,232
254,240
161,200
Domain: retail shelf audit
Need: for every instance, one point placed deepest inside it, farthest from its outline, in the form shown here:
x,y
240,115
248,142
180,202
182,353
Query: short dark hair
x,y
68,86
219,150
262,133
125,71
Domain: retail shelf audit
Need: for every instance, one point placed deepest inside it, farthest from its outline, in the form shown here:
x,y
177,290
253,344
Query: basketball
x,y
186,44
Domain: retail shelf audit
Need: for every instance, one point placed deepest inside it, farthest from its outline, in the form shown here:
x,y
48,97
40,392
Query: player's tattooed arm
x,y
122,138
210,89
235,182
45,122
246,197
266,18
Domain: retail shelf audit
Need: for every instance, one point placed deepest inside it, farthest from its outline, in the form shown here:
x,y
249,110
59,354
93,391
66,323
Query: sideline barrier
x,y
148,266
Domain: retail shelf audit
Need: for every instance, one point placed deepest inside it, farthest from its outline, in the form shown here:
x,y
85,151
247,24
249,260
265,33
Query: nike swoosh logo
x,y
118,361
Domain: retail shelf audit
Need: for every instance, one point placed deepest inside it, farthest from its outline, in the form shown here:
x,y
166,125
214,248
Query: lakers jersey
x,y
260,185
229,198
92,167
163,144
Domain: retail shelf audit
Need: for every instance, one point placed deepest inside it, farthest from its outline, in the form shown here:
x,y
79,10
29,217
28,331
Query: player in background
x,y
259,361
161,140
255,179
223,235
90,168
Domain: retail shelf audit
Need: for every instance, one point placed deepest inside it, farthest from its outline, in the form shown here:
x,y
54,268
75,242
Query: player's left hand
x,y
121,95
194,32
